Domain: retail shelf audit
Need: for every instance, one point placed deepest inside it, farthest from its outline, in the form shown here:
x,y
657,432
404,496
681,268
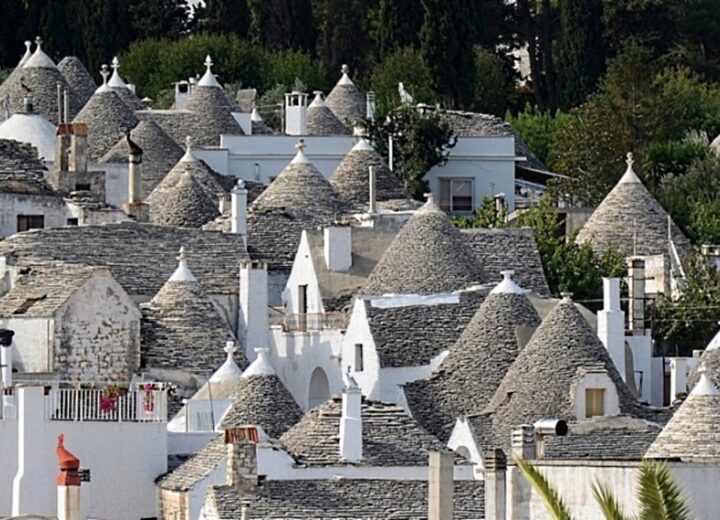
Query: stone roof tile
x,y
108,119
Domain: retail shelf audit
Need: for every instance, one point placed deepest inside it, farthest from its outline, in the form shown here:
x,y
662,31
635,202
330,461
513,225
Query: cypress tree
x,y
287,24
446,46
398,25
226,17
11,47
581,50
343,37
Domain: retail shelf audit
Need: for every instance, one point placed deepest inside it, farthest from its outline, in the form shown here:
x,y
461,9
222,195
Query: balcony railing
x,y
143,402
308,321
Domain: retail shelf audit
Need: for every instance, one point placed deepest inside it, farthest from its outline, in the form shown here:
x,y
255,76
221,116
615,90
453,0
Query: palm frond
x,y
609,505
554,504
660,496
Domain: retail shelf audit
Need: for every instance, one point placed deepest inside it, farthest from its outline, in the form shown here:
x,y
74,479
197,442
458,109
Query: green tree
x,y
420,141
444,38
659,495
158,18
11,49
649,23
536,128
284,67
397,24
581,50
404,65
225,17
491,84
342,36
287,24
54,29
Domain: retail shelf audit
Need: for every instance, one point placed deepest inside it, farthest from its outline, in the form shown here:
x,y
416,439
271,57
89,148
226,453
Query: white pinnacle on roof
x,y
704,386
115,79
255,116
507,286
345,79
183,272
317,101
208,79
300,157
714,343
630,176
39,58
189,156
104,72
27,54
228,371
363,144
261,366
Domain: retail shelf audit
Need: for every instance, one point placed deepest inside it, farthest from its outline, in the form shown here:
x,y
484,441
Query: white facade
x,y
13,206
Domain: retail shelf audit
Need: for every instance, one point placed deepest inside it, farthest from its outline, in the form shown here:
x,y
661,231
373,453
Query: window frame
x,y
29,222
450,204
591,395
359,361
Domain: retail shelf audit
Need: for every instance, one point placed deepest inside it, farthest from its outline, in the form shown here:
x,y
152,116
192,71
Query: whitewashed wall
x,y
32,344
12,205
302,273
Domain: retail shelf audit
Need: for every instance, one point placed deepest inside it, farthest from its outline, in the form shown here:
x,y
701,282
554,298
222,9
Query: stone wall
x,y
173,505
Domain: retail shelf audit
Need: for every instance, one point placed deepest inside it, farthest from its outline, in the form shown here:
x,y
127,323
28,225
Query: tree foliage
x,y
404,65
420,141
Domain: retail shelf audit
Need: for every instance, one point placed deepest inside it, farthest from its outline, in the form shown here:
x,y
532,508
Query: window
x,y
72,222
594,402
82,187
456,195
358,357
25,222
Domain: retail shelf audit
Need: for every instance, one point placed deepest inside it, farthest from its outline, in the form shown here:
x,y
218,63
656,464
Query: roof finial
x,y
28,44
115,63
189,156
300,155
566,296
39,42
630,161
208,62
345,69
104,72
181,254
300,146
183,272
230,348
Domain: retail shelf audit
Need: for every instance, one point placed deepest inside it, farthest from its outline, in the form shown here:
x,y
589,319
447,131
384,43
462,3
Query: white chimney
x,y
351,444
8,404
611,324
238,208
253,324
135,206
372,195
27,495
678,377
337,247
370,105
183,89
441,486
296,113
636,292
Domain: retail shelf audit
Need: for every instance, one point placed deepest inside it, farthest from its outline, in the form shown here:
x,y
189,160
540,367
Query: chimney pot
x,y
238,208
351,444
296,113
337,247
441,486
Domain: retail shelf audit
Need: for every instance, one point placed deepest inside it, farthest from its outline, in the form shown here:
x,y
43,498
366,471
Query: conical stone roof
x,y
122,89
301,189
108,119
351,178
182,329
260,398
212,115
539,382
692,434
160,153
476,363
346,101
43,83
186,205
631,220
321,120
196,205
77,76
428,256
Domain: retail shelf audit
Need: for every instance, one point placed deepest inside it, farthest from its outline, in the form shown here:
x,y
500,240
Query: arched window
x,y
319,388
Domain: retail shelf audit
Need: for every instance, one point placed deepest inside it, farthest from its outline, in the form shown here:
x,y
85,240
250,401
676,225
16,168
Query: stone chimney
x,y
370,105
253,324
242,465
8,405
296,113
495,463
351,443
78,159
68,483
372,190
522,441
441,486
636,293
135,206
238,208
337,247
611,324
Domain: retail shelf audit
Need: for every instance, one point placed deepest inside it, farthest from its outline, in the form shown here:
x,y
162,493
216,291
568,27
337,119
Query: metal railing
x,y
302,322
137,403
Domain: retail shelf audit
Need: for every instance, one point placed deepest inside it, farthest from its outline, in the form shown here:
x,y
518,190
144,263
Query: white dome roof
x,y
33,129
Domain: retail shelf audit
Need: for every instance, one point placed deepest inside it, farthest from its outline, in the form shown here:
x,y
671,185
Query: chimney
x,y
8,406
242,464
68,483
337,247
611,324
678,377
296,113
351,443
27,495
441,485
135,206
544,428
522,442
223,202
78,159
28,103
636,290
62,148
372,195
495,463
370,105
238,208
253,325
183,89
